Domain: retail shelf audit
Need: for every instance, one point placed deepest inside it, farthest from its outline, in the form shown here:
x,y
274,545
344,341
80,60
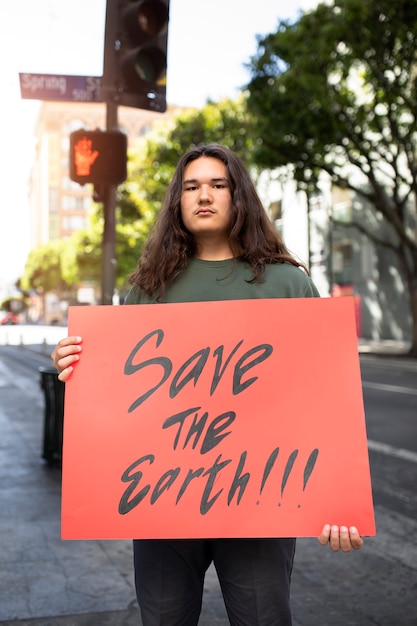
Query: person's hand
x,y
340,538
65,354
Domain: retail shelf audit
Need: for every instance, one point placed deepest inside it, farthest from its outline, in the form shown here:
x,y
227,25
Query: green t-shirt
x,y
228,280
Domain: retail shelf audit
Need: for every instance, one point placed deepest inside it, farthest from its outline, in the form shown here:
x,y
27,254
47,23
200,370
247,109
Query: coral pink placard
x,y
215,419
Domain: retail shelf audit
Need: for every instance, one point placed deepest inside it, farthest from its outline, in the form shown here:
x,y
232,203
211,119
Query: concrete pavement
x,y
48,582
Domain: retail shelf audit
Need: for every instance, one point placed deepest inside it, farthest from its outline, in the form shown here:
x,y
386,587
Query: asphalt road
x,y
390,398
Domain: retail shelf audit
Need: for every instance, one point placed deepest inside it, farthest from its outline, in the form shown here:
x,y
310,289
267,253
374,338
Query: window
x,y
76,203
73,222
342,263
342,205
53,200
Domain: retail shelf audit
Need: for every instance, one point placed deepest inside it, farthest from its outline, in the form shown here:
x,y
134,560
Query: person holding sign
x,y
214,241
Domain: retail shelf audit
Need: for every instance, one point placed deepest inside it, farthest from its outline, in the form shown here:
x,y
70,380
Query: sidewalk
x,y
43,580
387,347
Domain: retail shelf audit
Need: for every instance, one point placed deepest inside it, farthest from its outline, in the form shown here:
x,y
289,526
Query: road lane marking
x,y
393,388
398,453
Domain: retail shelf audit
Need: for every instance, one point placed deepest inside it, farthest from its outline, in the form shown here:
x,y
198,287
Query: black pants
x,y
254,576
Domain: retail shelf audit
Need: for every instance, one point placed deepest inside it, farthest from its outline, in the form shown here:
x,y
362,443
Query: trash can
x,y
54,391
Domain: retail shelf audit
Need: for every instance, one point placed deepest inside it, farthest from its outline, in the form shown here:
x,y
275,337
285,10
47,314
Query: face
x,y
206,201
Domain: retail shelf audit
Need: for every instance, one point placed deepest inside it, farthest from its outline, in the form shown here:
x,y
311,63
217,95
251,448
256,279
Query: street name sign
x,y
59,87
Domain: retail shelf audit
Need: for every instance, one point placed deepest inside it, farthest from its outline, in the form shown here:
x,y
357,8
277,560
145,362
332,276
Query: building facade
x,y
345,262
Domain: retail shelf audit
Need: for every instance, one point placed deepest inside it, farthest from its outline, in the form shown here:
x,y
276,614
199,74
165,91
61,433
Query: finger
x,y
324,537
341,538
335,538
65,362
64,351
344,539
61,362
65,373
68,341
67,351
355,538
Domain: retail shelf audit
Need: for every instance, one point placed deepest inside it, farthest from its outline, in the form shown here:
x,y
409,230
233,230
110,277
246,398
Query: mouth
x,y
204,211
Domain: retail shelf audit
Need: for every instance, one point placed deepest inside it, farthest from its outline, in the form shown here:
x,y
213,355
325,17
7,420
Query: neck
x,y
213,251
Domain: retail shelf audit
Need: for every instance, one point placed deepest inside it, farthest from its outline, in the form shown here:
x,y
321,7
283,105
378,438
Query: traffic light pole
x,y
135,63
108,273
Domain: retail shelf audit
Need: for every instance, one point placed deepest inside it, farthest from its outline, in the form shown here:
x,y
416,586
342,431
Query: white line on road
x,y
394,388
399,453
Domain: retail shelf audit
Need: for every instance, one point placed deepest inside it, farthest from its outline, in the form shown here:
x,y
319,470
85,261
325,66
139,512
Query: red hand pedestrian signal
x,y
98,157
84,156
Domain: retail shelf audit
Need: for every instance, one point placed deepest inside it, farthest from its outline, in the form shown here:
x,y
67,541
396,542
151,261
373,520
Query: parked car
x,y
9,318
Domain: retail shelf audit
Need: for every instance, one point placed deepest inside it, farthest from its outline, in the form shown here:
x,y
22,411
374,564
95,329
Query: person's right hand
x,y
65,354
341,538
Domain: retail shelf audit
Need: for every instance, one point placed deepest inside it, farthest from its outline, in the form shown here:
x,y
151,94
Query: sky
x,y
208,45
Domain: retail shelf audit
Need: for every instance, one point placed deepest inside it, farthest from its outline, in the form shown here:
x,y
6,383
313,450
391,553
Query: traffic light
x,y
98,157
135,53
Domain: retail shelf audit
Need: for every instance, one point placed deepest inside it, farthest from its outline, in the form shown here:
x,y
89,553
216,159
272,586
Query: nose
x,y
205,194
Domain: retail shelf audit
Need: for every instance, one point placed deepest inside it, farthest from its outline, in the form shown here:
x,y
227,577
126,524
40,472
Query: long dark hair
x,y
170,246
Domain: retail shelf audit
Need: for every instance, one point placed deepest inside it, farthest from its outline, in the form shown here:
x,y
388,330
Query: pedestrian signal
x,y
98,157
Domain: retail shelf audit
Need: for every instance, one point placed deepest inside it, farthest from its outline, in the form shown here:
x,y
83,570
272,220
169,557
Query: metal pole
x,y
330,239
108,273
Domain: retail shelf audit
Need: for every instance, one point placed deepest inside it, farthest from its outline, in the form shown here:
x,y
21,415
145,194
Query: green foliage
x,y
336,92
15,305
43,269
130,239
225,122
337,87
81,255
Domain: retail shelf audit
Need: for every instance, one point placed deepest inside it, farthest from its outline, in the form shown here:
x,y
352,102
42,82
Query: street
x,y
390,396
44,581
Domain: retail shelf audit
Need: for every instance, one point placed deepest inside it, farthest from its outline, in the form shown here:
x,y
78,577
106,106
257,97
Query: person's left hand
x,y
341,538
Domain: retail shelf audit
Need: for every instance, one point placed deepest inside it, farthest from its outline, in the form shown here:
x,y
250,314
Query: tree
x,y
225,122
43,270
82,254
43,275
336,92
